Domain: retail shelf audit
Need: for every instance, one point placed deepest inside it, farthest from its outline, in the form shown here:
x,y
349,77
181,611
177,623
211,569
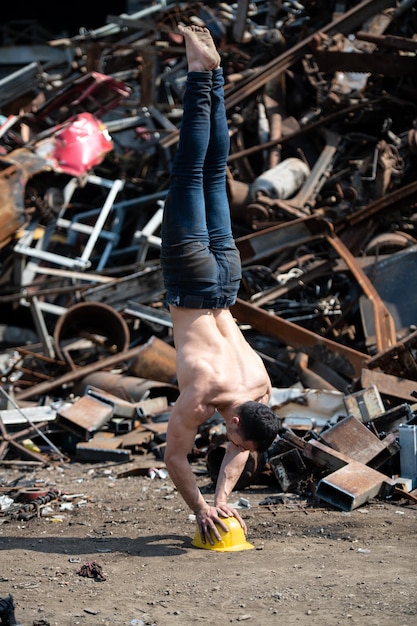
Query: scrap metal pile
x,y
321,104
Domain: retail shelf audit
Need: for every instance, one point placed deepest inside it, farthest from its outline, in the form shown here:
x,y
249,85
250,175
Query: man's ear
x,y
235,419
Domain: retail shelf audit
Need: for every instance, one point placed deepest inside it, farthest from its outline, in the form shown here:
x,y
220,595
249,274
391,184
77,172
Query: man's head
x,y
254,427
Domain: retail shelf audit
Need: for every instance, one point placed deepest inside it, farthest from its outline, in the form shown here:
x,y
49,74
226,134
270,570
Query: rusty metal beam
x,y
396,200
79,373
351,437
259,245
351,482
383,321
388,41
390,385
352,485
387,64
296,336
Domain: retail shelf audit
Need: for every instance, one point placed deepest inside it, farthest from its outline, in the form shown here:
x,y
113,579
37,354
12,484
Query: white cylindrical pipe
x,y
281,181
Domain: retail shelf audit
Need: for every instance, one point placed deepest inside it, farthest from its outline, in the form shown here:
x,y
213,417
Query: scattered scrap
x,y
91,569
321,105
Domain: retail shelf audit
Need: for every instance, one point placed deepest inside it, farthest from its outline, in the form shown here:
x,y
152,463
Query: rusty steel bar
x,y
406,194
259,245
294,335
390,385
313,126
72,376
388,41
387,64
384,324
352,485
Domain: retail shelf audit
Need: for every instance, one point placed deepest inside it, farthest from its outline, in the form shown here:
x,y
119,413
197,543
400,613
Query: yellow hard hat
x,y
231,541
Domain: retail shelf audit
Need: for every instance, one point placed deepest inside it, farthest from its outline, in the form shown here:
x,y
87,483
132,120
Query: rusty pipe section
x,y
155,360
95,322
126,387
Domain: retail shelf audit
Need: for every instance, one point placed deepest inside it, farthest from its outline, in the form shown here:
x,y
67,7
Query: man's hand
x,y
210,518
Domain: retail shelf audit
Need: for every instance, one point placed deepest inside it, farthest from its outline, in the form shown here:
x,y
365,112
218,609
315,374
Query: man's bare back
x,y
215,358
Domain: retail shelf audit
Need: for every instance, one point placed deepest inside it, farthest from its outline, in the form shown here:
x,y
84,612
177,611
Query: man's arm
x,y
181,433
232,466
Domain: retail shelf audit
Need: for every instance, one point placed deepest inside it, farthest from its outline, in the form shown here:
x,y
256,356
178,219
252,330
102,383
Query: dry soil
x,y
311,565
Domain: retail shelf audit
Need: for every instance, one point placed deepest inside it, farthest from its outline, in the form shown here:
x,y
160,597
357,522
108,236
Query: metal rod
x,y
40,433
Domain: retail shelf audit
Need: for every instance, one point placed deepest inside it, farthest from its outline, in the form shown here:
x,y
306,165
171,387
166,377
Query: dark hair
x,y
258,423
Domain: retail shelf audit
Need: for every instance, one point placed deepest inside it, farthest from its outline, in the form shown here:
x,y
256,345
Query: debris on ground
x,y
321,104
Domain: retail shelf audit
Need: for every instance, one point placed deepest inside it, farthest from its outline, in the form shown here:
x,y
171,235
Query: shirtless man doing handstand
x,y
217,370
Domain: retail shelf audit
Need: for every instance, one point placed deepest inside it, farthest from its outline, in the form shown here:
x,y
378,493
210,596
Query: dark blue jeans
x,y
200,261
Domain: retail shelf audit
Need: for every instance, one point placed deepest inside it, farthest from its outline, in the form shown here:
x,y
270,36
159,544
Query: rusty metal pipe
x,y
155,360
384,323
91,320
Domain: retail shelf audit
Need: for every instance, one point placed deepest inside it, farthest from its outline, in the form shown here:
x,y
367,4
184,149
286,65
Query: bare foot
x,y
201,51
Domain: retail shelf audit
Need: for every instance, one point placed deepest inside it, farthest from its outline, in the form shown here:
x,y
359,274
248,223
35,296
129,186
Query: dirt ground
x,y
310,564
